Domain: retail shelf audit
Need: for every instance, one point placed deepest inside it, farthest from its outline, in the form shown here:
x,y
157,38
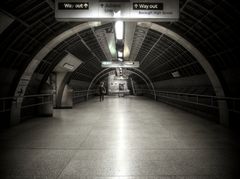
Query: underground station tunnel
x,y
112,89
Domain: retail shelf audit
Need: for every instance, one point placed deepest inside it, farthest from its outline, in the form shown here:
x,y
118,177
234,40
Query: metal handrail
x,y
6,102
37,95
83,93
26,96
190,94
232,101
191,102
37,104
84,90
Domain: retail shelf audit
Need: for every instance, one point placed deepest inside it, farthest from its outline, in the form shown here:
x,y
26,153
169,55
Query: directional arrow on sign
x,y
136,5
86,5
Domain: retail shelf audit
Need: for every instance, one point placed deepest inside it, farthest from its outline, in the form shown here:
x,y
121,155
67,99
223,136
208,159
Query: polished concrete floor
x,y
120,138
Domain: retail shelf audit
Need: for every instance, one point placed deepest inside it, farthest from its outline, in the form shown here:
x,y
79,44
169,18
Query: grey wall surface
x,y
198,82
232,78
6,82
76,84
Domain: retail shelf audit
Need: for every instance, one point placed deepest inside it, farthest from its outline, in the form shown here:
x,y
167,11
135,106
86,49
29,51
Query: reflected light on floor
x,y
121,152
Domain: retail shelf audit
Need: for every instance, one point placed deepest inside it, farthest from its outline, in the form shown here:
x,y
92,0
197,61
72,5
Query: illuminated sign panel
x,y
118,64
148,6
127,10
73,6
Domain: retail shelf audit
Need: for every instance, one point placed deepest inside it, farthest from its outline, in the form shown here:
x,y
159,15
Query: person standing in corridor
x,y
102,91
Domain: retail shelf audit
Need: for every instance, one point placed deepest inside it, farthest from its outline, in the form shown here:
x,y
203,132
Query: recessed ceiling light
x,y
120,54
119,30
176,74
68,66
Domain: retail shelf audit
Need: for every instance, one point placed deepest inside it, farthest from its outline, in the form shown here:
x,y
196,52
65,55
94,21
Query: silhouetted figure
x,y
102,91
121,90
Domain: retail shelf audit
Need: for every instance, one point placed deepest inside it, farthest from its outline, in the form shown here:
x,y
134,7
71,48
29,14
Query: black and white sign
x,y
73,6
127,10
148,6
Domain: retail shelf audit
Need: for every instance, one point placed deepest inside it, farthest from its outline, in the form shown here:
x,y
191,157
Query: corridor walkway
x,y
120,138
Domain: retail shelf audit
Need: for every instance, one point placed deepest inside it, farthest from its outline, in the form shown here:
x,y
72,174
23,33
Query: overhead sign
x,y
127,10
148,6
73,6
118,64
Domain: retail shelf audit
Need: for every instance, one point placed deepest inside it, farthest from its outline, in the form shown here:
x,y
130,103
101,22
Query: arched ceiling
x,y
212,26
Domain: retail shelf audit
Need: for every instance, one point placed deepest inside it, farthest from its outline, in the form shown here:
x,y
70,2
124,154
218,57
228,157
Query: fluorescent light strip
x,y
120,54
119,30
68,66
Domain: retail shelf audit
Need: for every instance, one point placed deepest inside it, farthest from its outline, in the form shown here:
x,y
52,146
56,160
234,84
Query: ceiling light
x,y
68,66
120,54
120,59
119,30
176,74
119,64
106,62
129,63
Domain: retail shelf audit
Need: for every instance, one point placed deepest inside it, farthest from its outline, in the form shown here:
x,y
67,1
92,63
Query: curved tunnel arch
x,y
211,73
26,76
104,72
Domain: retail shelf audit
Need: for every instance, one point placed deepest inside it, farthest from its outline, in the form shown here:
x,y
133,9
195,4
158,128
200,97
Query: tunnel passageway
x,y
182,55
130,138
